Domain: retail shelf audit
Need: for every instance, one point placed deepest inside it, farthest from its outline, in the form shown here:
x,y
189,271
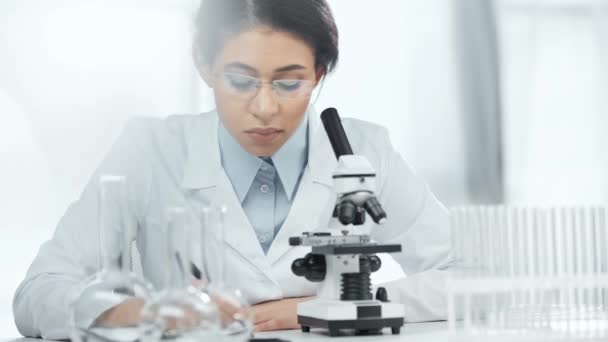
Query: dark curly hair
x,y
310,20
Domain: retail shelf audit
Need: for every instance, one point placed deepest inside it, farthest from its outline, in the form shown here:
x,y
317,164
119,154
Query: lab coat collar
x,y
290,159
203,165
240,165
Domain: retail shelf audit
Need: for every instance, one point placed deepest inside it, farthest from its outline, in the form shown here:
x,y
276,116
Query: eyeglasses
x,y
247,87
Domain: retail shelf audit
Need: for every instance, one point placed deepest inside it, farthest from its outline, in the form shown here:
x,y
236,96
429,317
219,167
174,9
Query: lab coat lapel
x,y
203,167
206,184
238,231
314,199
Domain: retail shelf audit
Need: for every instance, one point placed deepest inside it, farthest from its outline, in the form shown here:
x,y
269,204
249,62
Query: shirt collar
x,y
291,158
242,167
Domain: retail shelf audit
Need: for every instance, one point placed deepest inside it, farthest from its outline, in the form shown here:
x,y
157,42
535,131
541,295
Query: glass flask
x,y
236,312
114,284
180,311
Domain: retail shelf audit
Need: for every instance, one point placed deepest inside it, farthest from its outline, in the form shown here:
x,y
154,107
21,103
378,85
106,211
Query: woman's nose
x,y
264,105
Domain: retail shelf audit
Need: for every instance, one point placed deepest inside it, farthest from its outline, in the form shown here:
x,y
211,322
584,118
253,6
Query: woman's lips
x,y
264,135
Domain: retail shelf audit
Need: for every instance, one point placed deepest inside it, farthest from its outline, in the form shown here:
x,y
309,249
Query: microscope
x,y
343,262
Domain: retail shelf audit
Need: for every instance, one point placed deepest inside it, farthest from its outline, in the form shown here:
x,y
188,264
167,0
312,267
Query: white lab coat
x,y
176,161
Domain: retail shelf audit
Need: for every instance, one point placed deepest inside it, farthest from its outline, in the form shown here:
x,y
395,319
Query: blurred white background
x,y
555,81
72,72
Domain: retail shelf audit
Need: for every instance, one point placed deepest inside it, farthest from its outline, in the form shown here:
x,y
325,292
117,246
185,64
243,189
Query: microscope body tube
x,y
335,132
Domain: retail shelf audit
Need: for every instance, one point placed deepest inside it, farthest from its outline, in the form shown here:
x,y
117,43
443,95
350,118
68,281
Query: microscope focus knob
x,y
374,263
295,241
312,267
382,295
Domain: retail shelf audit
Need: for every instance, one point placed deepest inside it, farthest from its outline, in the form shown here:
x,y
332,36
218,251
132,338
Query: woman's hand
x,y
128,314
229,311
277,315
125,314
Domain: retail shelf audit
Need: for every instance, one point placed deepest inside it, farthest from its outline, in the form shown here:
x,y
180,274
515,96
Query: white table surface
x,y
415,332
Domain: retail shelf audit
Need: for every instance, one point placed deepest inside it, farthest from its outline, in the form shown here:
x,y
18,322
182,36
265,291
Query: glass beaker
x,y
114,284
179,312
235,310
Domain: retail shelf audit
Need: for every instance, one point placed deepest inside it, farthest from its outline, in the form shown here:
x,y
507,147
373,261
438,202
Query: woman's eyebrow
x,y
290,68
244,67
240,66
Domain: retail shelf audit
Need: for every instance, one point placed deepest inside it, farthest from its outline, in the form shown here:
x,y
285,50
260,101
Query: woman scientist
x,y
264,155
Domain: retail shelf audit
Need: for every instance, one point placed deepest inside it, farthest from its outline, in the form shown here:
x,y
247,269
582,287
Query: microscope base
x,y
364,317
364,326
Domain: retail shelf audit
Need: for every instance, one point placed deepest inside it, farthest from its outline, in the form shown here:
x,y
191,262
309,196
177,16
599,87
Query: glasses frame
x,y
305,90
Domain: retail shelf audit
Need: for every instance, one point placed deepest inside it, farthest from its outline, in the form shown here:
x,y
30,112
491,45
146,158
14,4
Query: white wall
x,y
555,57
397,68
71,73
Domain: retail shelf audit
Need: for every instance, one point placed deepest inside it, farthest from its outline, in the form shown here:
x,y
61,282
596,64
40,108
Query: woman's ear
x,y
320,74
204,69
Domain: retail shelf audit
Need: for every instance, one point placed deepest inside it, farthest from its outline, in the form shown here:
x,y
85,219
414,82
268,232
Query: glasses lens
x,y
292,88
247,87
241,84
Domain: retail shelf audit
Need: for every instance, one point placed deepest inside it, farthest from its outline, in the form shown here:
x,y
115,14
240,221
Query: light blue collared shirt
x,y
265,187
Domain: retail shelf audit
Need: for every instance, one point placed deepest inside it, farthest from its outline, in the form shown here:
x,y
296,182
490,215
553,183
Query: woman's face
x,y
262,80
